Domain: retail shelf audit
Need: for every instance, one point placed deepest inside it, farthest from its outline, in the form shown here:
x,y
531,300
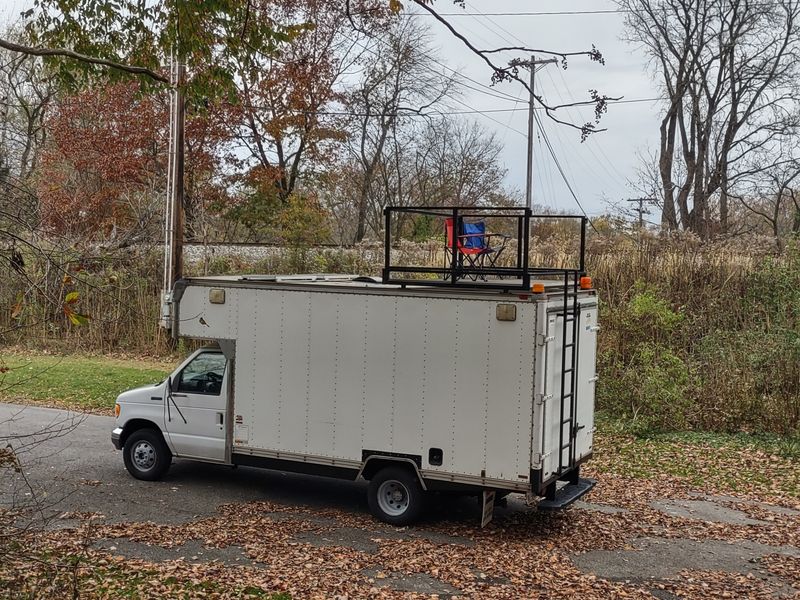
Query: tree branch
x,y
32,51
500,73
594,54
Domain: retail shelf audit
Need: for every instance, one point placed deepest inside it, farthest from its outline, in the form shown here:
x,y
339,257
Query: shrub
x,y
749,381
650,391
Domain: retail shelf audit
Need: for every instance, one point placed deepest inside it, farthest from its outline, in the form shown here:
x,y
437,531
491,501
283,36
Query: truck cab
x,y
183,416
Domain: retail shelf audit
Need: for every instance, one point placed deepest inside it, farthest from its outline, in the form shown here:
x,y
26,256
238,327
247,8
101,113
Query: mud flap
x,y
487,507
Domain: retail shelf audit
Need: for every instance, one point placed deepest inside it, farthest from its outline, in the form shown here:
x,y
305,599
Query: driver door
x,y
195,414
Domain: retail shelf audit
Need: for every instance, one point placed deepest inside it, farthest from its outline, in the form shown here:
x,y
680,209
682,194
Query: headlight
x,y
116,409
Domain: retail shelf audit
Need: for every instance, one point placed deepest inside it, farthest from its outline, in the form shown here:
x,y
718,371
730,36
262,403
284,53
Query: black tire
x,y
146,455
395,496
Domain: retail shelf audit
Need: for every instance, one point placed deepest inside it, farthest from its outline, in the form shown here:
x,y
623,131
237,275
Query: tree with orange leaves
x,y
102,174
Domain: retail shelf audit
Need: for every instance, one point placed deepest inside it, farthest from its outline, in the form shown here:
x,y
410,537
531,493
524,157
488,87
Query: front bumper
x,y
116,436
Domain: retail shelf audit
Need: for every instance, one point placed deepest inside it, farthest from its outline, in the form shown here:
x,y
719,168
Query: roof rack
x,y
458,272
300,277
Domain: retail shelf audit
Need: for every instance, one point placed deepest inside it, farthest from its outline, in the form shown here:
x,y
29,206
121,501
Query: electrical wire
x,y
572,115
549,13
542,13
335,113
561,170
511,118
593,142
541,129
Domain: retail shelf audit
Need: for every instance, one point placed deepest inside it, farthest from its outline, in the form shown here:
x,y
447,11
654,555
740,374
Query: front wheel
x,y
395,496
146,455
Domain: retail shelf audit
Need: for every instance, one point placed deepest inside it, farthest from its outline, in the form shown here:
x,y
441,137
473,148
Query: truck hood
x,y
137,394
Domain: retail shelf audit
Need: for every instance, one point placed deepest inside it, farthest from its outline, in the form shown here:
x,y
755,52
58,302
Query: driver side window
x,y
203,375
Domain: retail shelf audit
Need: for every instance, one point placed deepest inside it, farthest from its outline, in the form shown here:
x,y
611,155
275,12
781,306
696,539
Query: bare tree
x,y
26,93
401,80
771,192
729,71
461,162
435,161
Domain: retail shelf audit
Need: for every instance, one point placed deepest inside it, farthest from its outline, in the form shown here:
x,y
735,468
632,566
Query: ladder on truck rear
x,y
568,428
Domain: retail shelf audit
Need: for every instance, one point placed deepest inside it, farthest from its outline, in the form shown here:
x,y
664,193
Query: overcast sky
x,y
599,169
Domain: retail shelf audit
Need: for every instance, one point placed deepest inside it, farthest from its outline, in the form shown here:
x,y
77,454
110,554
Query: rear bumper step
x,y
568,494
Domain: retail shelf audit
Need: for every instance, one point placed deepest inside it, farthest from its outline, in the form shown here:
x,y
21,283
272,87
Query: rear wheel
x,y
395,496
146,455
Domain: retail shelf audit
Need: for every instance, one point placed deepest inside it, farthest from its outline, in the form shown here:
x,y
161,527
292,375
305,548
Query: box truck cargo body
x,y
414,388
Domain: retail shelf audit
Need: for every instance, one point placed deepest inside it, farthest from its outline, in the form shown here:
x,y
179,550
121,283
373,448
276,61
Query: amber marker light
x,y
116,410
586,283
538,288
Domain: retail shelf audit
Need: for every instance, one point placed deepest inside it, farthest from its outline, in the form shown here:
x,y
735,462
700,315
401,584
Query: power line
x,y
641,210
542,132
560,169
543,13
489,91
487,15
590,143
511,118
549,13
409,113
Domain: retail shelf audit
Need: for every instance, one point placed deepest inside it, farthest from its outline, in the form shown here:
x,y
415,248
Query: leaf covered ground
x,y
293,551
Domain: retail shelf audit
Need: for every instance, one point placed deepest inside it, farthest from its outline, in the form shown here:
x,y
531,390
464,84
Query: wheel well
x,y
136,425
373,464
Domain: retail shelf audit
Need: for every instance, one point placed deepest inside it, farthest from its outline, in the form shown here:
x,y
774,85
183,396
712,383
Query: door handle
x,y
220,419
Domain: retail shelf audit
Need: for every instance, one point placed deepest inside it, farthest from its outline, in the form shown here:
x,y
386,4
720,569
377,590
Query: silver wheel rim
x,y
143,455
393,498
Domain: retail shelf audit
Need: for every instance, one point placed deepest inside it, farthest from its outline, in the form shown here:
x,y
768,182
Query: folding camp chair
x,y
472,247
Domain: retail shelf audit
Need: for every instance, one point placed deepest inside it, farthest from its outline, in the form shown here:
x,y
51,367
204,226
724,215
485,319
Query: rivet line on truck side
x,y
490,337
308,366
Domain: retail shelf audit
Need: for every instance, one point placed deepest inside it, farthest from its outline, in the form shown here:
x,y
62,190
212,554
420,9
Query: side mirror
x,y
170,383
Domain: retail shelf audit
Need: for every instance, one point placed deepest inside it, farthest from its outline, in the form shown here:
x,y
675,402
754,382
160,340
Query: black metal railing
x,y
459,270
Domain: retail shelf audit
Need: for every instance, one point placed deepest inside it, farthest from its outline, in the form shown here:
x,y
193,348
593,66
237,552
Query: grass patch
x,y
46,574
82,382
760,464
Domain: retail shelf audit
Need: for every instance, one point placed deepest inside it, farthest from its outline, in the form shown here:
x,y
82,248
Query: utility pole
x,y
173,223
179,153
641,210
531,119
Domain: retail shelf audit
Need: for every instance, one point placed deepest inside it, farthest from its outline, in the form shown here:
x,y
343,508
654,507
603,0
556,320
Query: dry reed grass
x,y
694,336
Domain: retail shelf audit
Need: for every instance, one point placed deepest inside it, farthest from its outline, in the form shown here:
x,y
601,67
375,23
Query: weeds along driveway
x,y
214,531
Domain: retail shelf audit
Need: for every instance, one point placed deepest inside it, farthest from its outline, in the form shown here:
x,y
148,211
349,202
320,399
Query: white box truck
x,y
413,386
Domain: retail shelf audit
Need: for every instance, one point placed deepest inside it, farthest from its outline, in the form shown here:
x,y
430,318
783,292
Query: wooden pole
x,y
531,121
178,153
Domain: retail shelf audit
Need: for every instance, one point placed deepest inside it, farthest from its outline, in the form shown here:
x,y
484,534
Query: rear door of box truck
x,y
563,420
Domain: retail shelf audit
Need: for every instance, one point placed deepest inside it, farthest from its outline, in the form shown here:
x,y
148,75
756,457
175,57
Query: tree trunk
x,y
668,217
